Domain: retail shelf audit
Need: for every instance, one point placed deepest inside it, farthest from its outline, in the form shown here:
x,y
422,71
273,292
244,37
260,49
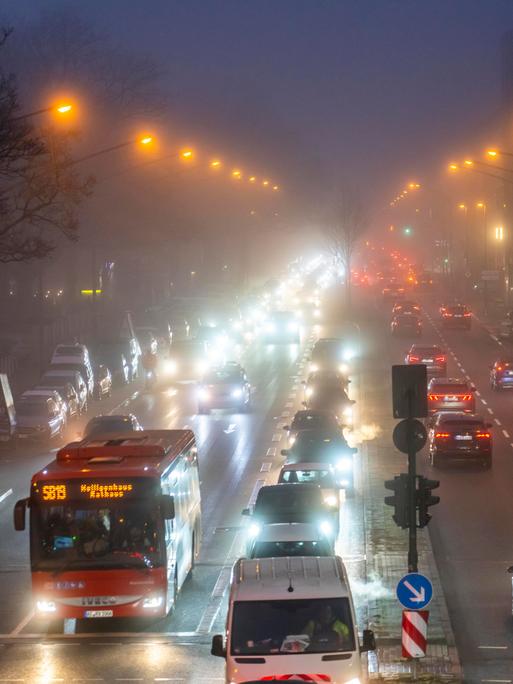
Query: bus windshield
x,y
289,627
79,535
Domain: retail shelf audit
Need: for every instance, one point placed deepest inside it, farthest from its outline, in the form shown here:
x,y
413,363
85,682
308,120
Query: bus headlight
x,y
356,680
154,601
292,439
201,367
45,606
237,393
317,313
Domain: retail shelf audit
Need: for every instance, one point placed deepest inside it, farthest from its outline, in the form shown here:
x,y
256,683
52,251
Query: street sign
x,y
414,591
409,391
414,633
490,275
407,431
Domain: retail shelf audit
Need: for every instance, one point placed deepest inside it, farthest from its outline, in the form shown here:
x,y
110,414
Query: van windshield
x,y
292,626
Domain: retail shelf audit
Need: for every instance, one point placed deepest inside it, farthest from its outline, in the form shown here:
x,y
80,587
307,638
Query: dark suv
x,y
432,356
460,436
501,375
456,316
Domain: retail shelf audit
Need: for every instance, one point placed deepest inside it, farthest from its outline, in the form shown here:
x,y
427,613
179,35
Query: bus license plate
x,y
98,613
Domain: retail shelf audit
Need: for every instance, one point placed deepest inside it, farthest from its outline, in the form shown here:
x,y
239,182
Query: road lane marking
x,y
484,401
285,414
271,451
266,467
490,410
289,404
20,626
478,393
506,434
4,496
292,395
498,648
497,421
277,437
231,428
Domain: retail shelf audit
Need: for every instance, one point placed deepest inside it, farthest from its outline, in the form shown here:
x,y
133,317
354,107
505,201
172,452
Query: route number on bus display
x,y
54,492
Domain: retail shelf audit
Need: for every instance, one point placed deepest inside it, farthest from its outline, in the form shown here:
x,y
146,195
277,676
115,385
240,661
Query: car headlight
x,y
343,368
345,464
154,601
292,439
237,393
309,392
347,412
291,327
330,500
314,368
254,530
356,680
170,366
203,394
349,354
326,527
45,606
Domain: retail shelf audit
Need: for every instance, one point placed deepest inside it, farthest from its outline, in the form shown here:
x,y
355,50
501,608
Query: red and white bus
x,y
115,525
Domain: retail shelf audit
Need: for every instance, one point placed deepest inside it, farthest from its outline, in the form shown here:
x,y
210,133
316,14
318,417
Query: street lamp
x,y
215,164
61,109
252,179
236,174
145,141
187,154
265,183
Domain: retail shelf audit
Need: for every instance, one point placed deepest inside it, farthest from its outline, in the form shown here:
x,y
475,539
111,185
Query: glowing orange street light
x,y
186,154
468,162
236,174
252,179
480,205
276,187
265,182
462,206
453,167
215,164
492,153
64,108
147,140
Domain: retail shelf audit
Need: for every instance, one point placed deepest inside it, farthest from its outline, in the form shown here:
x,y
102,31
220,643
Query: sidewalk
x,y
386,553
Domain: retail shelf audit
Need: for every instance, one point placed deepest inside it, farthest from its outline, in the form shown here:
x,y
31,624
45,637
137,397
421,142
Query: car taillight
x,y
433,397
440,359
499,368
442,435
483,435
413,359
467,313
465,397
447,315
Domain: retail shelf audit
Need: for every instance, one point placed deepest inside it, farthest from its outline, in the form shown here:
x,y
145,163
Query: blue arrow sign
x,y
414,591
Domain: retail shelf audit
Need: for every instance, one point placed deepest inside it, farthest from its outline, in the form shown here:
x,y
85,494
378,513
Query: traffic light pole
x,y
413,556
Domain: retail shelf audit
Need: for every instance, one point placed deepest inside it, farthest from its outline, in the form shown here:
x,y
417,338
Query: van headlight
x,y
317,313
201,367
292,439
45,606
153,601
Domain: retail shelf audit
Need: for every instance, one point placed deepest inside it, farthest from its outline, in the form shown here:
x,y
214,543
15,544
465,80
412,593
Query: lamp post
x,y
482,207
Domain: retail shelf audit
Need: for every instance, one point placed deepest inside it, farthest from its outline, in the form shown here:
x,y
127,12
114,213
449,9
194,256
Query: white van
x,y
292,616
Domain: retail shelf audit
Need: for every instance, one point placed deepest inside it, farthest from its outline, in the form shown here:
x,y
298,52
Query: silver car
x,y
39,418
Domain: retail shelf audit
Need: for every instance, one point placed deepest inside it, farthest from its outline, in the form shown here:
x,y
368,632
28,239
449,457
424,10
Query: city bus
x,y
115,525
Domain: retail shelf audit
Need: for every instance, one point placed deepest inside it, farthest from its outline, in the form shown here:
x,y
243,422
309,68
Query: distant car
x,y
100,425
224,387
460,436
288,539
102,382
501,374
310,419
39,419
406,306
328,448
432,356
47,394
451,394
328,355
456,316
56,375
68,393
70,353
406,324
188,360
286,503
392,291
325,390
281,327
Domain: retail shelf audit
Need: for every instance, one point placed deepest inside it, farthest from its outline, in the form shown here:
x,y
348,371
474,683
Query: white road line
x,y
285,414
271,451
266,467
506,434
478,393
484,402
497,421
277,437
490,410
4,496
292,395
497,681
289,404
20,626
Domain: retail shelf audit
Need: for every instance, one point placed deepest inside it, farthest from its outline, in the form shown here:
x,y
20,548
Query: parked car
x,y
70,353
102,382
47,394
84,369
56,376
68,393
100,425
39,418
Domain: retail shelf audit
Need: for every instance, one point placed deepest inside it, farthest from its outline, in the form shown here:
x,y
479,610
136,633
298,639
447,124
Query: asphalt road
x,y
472,528
238,453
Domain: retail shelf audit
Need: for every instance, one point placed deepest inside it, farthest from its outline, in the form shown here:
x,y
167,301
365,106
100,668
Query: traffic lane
x,y
108,661
226,443
471,529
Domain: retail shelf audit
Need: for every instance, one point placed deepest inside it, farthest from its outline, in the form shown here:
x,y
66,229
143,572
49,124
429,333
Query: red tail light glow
x,y
483,435
440,435
467,313
413,359
464,397
440,359
433,397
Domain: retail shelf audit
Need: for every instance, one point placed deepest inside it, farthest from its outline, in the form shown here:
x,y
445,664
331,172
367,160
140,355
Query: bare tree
x,y
39,190
344,232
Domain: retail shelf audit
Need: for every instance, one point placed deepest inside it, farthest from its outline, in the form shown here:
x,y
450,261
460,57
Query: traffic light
x,y
425,499
399,500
